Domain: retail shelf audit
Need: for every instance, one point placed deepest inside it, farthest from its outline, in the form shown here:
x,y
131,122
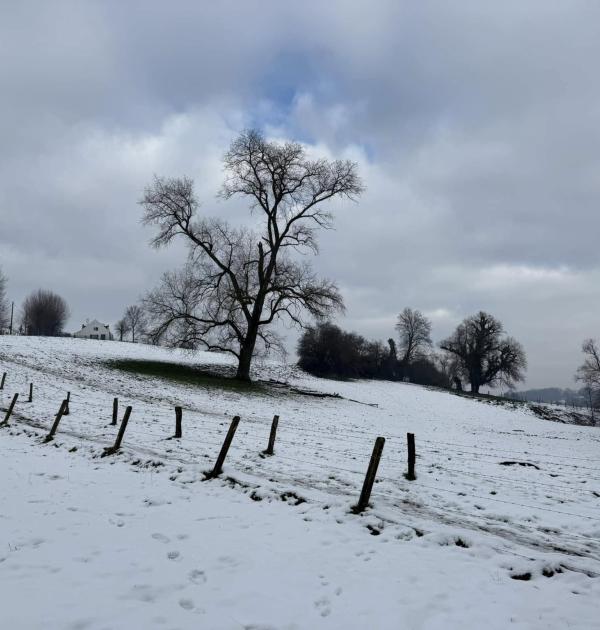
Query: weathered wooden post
x,y
67,410
365,495
272,436
59,415
9,411
30,392
412,456
218,469
115,411
178,414
110,450
2,381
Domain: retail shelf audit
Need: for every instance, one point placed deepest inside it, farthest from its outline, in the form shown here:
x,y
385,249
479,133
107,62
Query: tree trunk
x,y
474,388
245,358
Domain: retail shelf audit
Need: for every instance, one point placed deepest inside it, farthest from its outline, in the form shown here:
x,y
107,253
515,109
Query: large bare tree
x,y
484,356
238,281
44,313
414,330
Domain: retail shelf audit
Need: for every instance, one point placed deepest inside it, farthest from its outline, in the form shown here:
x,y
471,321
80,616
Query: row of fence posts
x,y
367,487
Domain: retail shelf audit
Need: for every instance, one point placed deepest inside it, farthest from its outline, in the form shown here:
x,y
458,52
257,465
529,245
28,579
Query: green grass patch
x,y
219,377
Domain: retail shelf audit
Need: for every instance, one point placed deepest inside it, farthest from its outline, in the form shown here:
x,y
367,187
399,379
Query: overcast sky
x,y
476,126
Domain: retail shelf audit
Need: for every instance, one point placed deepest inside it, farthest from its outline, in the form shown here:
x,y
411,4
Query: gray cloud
x,y
476,125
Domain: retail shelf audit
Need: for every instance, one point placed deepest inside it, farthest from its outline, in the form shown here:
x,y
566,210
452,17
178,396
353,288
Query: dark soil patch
x,y
526,464
521,576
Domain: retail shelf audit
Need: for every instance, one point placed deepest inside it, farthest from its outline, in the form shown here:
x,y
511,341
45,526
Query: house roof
x,y
93,324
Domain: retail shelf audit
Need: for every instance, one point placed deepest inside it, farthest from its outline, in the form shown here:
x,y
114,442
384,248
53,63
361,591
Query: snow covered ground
x,y
138,540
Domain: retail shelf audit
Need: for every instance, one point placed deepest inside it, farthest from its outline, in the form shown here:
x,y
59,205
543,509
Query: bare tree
x,y
414,330
237,281
135,320
4,315
484,356
589,373
44,313
122,328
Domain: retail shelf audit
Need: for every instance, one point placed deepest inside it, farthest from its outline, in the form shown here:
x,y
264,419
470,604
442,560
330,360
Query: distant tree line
x,y
576,398
477,353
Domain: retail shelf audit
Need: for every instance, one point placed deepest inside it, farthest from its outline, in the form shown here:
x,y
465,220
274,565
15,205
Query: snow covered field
x,y
138,540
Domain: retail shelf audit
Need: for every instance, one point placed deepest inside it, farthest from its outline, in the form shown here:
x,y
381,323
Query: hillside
x,y
501,527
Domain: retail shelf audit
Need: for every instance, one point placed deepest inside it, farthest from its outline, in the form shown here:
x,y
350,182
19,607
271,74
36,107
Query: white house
x,y
94,330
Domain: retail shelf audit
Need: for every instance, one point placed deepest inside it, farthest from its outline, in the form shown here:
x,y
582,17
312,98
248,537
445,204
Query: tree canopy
x,y
238,281
484,356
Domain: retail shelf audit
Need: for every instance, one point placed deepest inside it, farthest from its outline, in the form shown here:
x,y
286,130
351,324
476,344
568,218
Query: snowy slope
x,y
138,540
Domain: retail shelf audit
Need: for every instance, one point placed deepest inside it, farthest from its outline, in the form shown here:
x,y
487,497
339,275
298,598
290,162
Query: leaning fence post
x,y
3,379
13,402
115,411
218,469
178,414
30,392
412,456
272,436
110,450
365,494
67,410
59,415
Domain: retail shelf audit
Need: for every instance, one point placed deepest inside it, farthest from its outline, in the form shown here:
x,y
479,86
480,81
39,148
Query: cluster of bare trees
x,y
133,322
239,281
477,352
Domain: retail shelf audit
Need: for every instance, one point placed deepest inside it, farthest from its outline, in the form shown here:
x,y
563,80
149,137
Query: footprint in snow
x,y
323,606
197,576
161,538
174,555
186,604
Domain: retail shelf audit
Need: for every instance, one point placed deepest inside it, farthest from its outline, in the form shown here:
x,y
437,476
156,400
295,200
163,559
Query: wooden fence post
x,y
412,456
178,414
59,415
30,392
365,495
67,410
3,379
218,469
115,411
110,450
272,436
9,411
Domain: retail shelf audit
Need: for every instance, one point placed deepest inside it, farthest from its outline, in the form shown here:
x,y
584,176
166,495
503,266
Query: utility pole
x,y
12,309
